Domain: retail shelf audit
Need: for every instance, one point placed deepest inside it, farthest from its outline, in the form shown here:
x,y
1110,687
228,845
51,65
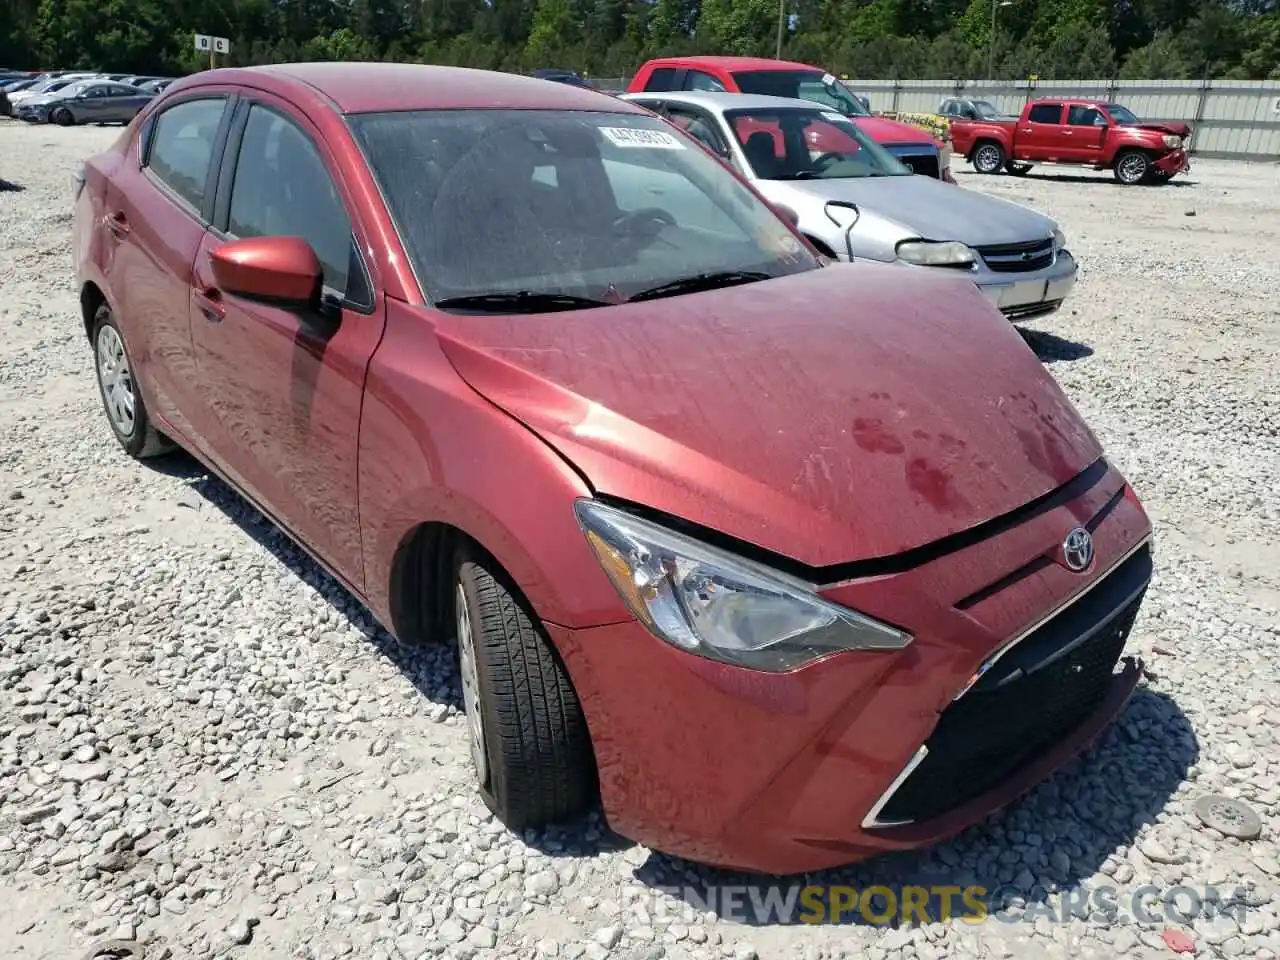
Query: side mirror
x,y
279,270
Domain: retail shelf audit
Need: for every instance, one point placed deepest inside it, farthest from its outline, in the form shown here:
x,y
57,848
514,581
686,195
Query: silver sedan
x,y
855,201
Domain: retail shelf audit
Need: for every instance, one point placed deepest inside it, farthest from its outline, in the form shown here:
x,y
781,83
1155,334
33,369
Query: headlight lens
x,y
1171,141
927,253
714,604
1059,241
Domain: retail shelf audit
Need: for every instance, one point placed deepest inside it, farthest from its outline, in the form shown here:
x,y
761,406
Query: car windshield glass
x,y
1121,114
802,85
799,144
985,109
527,209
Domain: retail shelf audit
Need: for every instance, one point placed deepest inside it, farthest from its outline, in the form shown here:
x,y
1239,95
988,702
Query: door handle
x,y
1028,130
1067,133
209,299
117,223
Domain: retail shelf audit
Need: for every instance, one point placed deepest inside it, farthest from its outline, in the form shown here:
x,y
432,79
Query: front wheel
x,y
1132,167
63,117
528,736
121,398
989,157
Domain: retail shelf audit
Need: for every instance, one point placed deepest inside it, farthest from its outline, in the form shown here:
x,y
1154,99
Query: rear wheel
x,y
121,398
988,157
1132,166
528,737
63,117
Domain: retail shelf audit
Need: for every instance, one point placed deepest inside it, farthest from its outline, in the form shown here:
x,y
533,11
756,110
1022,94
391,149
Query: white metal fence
x,y
1235,119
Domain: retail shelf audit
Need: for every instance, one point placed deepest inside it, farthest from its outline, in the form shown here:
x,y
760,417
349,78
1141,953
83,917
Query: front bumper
x,y
786,773
1022,296
1174,162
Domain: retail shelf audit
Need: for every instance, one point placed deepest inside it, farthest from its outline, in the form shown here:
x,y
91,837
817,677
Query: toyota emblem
x,y
1077,549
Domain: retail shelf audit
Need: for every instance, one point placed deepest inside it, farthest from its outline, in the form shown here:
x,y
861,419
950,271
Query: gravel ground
x,y
205,744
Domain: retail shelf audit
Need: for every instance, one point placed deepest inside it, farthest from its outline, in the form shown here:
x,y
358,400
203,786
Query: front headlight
x,y
1059,241
1172,142
927,253
717,605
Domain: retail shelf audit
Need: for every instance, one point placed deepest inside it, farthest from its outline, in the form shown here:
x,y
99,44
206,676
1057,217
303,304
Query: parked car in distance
x,y
562,76
800,563
921,151
855,201
156,86
958,108
52,85
14,86
85,101
1092,133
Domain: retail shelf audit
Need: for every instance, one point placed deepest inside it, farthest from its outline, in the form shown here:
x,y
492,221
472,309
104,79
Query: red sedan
x,y
787,563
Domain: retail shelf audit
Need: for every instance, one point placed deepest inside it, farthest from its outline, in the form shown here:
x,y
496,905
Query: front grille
x,y
1031,698
1018,257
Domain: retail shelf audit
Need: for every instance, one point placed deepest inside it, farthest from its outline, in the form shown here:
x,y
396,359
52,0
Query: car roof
x,y
736,63
721,102
357,87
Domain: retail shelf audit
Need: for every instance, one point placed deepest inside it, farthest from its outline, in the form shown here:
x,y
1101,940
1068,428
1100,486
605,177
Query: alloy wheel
x,y
471,686
116,380
987,159
1133,168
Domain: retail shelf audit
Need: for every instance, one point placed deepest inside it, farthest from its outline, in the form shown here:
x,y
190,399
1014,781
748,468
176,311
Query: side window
x,y
1046,113
97,91
281,188
181,146
699,128
697,80
661,79
1082,116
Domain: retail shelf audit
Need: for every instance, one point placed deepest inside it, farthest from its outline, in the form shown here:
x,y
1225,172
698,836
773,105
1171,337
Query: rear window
x,y
661,80
812,85
181,147
1046,113
598,206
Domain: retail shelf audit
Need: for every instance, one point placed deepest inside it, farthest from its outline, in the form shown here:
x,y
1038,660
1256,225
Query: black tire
x,y
540,765
141,440
988,157
1016,169
63,117
1132,167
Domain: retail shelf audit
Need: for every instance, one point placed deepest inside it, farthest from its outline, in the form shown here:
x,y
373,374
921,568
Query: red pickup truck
x,y
917,148
1092,133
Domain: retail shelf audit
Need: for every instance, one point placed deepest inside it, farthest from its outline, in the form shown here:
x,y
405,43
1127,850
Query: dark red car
x,y
789,563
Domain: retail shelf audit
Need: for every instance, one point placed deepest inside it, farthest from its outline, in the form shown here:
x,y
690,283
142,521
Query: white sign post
x,y
212,46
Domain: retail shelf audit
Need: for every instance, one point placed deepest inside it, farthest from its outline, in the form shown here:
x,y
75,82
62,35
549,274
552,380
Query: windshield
x,y
799,144
599,207
985,109
813,85
1121,115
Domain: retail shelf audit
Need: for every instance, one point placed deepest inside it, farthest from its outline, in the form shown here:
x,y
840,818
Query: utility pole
x,y
991,39
782,17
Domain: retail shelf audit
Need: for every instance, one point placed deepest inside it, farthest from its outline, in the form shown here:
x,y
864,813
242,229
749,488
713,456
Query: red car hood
x,y
891,131
841,414
1176,129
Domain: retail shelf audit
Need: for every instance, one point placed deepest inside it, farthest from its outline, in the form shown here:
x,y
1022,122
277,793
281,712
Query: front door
x,y
285,386
1086,130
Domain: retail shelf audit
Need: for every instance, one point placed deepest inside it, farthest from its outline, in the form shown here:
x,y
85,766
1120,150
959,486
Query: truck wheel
x,y
1017,169
1132,166
988,157
529,741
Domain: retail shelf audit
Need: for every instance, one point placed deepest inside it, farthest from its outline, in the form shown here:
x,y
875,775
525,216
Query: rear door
x,y
285,386
1039,137
157,206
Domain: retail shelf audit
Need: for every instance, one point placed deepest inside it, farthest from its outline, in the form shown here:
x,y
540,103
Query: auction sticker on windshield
x,y
653,139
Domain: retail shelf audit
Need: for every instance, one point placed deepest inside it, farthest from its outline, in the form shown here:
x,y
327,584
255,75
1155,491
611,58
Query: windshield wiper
x,y
701,281
519,301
